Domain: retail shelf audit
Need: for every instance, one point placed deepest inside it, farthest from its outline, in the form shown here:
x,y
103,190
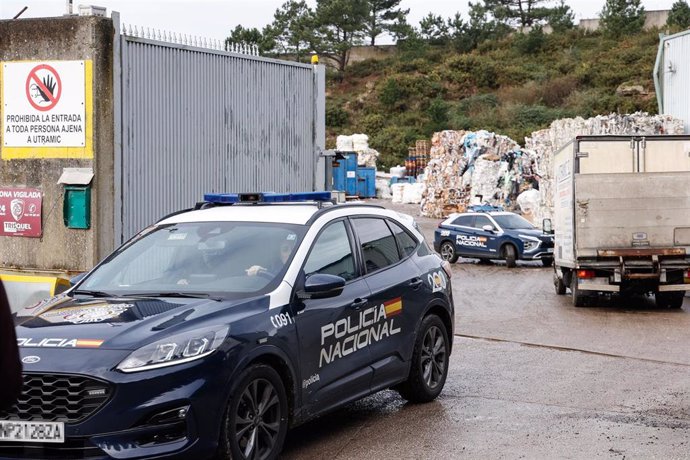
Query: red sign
x,y
20,212
43,87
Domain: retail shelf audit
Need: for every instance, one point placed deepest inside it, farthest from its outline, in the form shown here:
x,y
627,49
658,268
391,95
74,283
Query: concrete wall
x,y
653,19
60,248
362,53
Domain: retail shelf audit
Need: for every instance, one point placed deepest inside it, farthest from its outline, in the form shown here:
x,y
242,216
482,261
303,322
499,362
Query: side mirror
x,y
547,226
488,228
322,286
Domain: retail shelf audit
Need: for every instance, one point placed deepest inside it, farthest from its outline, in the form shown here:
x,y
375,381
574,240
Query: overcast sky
x,y
216,18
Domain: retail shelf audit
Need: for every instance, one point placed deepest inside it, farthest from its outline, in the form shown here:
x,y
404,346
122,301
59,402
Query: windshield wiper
x,y
92,293
187,295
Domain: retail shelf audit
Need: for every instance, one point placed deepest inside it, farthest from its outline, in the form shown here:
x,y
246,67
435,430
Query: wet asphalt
x,y
531,376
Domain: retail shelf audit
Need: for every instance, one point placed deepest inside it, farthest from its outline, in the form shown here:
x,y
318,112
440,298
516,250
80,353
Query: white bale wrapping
x,y
344,144
412,193
397,191
360,142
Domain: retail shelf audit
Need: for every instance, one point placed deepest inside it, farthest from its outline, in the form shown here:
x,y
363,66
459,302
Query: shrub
x,y
481,71
438,115
336,116
392,143
392,93
370,123
557,90
365,68
531,42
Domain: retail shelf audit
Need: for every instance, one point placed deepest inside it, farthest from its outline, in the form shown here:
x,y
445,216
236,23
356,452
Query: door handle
x,y
358,303
415,283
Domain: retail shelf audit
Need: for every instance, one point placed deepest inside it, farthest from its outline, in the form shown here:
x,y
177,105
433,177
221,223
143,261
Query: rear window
x,y
379,247
406,243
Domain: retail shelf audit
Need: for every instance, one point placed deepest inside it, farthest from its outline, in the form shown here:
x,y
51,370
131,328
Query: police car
x,y
489,234
218,328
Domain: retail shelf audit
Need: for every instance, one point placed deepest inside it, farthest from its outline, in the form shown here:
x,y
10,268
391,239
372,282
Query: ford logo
x,y
31,359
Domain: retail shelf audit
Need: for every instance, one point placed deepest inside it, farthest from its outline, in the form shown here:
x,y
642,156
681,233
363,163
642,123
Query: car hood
x,y
537,233
122,323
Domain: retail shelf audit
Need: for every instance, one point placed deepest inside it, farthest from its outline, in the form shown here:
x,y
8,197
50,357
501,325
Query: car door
x,y
333,367
394,303
486,243
464,232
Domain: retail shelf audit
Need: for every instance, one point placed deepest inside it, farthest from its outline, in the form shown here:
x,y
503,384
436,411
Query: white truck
x,y
622,217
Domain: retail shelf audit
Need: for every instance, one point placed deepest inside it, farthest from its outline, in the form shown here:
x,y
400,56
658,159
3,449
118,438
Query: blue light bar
x,y
484,208
266,197
222,198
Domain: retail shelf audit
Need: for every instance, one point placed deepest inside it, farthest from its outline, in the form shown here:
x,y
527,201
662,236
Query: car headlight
x,y
529,242
176,349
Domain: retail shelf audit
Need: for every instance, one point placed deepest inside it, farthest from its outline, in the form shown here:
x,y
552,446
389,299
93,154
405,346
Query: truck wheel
x,y
669,299
509,255
448,252
547,261
558,283
429,367
578,298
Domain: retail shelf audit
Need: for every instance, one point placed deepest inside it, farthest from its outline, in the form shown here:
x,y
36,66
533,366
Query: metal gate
x,y
195,119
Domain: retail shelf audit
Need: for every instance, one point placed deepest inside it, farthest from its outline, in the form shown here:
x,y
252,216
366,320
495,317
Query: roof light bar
x,y
484,208
266,197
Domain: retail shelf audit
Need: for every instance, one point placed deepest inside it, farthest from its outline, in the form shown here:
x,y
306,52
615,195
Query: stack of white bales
x,y
548,141
358,143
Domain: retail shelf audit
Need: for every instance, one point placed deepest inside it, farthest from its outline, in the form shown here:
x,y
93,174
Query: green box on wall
x,y
76,210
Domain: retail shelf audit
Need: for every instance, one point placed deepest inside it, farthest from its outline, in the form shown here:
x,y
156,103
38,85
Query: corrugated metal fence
x,y
197,120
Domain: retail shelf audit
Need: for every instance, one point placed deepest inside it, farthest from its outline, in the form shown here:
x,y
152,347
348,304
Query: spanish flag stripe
x,y
89,343
393,307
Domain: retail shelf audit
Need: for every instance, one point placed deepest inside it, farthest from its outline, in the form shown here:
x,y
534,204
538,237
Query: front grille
x,y
58,398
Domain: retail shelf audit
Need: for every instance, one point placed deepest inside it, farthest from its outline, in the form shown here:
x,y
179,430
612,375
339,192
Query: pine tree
x,y
622,17
679,17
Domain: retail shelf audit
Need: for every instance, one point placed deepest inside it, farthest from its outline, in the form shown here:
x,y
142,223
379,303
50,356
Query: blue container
x,y
345,174
403,180
366,182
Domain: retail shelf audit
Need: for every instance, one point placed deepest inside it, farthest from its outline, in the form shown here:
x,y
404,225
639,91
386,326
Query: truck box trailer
x,y
622,217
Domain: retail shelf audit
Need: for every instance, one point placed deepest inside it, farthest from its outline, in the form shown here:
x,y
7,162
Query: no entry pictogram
x,y
43,87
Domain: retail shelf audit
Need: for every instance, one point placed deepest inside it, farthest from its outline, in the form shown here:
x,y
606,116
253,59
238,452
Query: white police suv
x,y
216,329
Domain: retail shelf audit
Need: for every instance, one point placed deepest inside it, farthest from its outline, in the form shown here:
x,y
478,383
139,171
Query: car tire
x,y
245,418
558,284
578,298
547,261
510,255
448,252
430,360
669,299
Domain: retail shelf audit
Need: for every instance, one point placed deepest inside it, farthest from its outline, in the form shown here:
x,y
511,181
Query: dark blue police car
x,y
490,235
216,329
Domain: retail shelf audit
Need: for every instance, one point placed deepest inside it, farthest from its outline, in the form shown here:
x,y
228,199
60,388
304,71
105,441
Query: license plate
x,y
16,431
549,249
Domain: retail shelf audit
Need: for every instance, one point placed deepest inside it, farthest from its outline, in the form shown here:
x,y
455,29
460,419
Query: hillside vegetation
x,y
512,86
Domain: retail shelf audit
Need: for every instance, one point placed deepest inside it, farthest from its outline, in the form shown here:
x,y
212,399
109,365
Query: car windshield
x,y
513,222
227,259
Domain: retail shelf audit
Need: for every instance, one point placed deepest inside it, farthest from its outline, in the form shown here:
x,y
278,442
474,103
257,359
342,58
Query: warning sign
x,y
43,87
46,109
20,212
